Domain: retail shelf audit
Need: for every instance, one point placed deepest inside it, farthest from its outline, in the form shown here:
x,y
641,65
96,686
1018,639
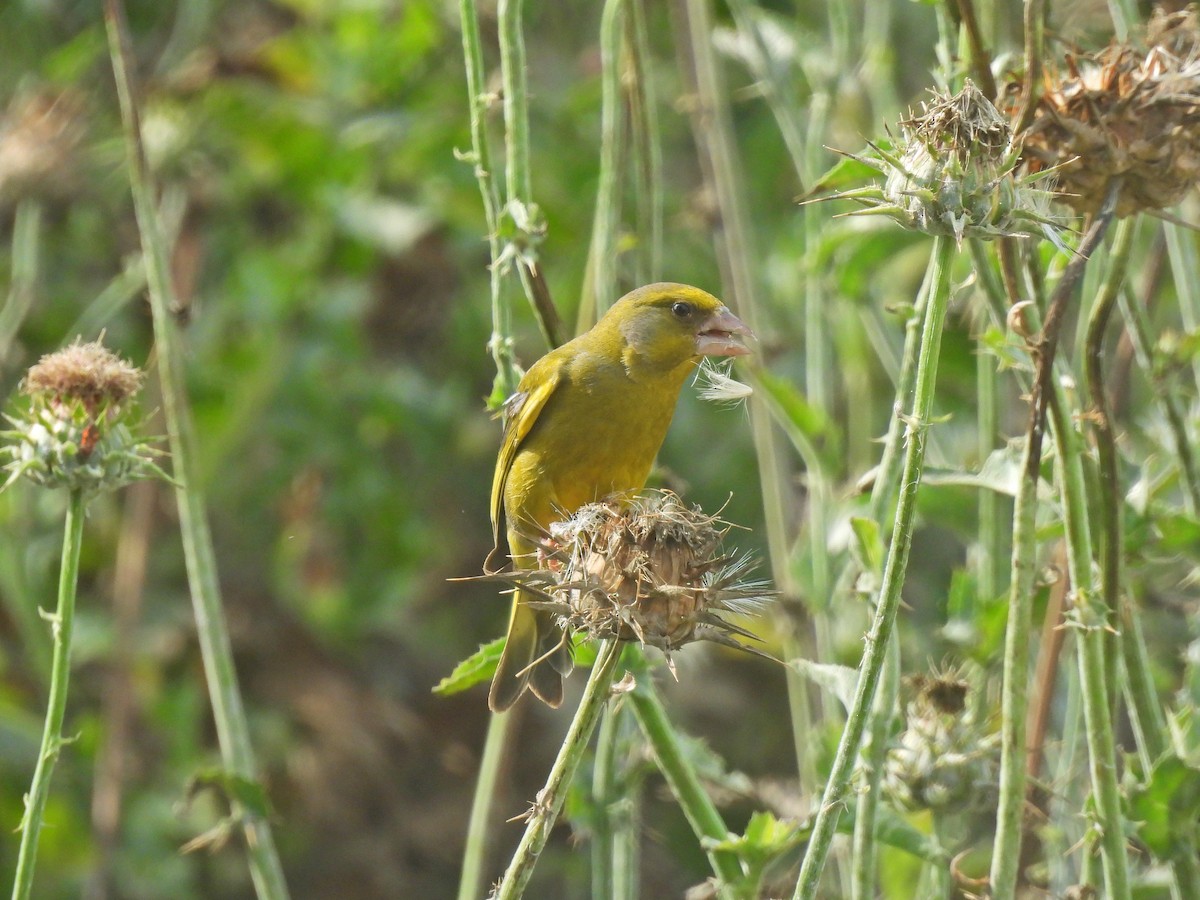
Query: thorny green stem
x,y
60,673
697,806
1110,497
233,731
549,803
501,341
518,180
1090,616
887,479
471,880
917,422
1014,696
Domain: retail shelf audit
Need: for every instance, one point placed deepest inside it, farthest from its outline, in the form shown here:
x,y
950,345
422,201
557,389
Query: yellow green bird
x,y
587,421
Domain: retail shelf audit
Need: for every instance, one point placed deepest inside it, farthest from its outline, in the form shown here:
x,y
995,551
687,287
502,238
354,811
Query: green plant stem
x,y
233,731
988,549
604,795
474,859
647,141
60,673
1146,712
883,492
1006,853
518,177
550,799
917,425
501,341
1110,496
608,207
1090,616
713,133
685,785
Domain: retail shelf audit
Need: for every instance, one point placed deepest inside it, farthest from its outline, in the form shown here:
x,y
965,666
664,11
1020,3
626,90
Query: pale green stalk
x,y
689,793
647,139
60,673
917,422
605,795
1091,619
713,133
883,492
501,341
546,809
1014,702
233,732
471,879
608,206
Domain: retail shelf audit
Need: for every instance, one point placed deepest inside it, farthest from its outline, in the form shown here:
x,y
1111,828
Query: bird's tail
x,y
536,657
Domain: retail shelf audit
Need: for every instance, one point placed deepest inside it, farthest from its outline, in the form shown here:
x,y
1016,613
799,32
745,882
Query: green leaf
x,y
1166,808
868,544
245,792
840,681
479,666
848,172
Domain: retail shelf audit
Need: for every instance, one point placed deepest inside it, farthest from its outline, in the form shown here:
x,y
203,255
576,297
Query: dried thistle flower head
x,y
953,172
74,432
88,373
943,759
649,569
1129,112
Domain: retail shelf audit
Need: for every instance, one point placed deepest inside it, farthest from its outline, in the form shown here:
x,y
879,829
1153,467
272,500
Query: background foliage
x,y
330,258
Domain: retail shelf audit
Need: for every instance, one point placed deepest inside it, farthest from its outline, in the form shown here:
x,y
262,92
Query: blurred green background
x,y
331,262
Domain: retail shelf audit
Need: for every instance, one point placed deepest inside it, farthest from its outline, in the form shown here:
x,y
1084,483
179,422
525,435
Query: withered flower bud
x,y
943,759
75,431
1129,112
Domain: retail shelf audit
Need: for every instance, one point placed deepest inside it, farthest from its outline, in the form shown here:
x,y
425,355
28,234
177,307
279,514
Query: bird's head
x,y
665,326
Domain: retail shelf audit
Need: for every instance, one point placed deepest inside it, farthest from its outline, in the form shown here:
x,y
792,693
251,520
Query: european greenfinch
x,y
585,422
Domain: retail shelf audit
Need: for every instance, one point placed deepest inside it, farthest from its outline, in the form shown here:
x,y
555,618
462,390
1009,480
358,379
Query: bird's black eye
x,y
682,310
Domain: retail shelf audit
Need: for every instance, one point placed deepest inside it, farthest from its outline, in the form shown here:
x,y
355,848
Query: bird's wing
x,y
521,411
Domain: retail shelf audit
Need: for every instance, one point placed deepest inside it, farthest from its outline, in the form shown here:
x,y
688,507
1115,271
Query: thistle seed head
x,y
74,431
1131,111
649,569
953,172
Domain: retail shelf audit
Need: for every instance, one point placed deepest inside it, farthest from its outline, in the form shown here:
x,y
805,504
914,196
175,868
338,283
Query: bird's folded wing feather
x,y
521,412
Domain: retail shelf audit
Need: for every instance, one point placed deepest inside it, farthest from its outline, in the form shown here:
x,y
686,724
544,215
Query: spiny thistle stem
x,y
60,669
1090,617
233,730
1014,697
501,341
918,422
550,799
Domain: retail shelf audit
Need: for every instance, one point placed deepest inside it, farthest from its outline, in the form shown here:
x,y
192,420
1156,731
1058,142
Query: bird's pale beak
x,y
721,334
